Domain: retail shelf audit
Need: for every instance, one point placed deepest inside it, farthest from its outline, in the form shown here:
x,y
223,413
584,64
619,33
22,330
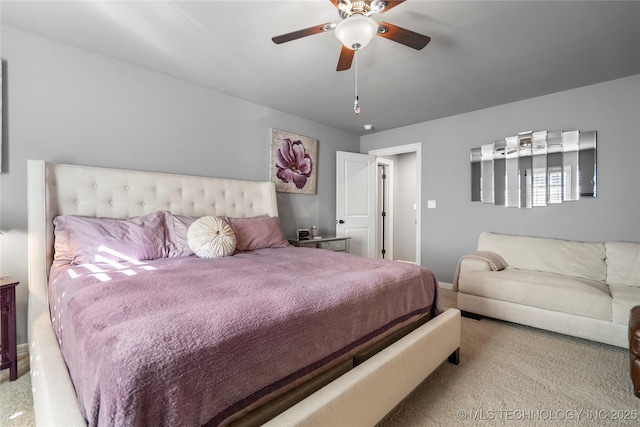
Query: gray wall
x,y
67,105
451,230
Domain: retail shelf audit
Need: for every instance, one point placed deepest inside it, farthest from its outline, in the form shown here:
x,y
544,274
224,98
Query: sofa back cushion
x,y
569,258
623,260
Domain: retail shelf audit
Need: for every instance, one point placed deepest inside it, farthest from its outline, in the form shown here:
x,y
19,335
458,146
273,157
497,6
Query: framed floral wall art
x,y
293,162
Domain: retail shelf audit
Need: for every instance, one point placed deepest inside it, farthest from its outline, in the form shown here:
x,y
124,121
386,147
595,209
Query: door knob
x,y
340,221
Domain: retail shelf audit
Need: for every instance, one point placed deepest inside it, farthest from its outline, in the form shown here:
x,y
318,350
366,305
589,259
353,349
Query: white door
x,y
356,201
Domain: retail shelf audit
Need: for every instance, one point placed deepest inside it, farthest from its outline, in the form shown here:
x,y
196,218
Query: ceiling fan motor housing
x,y
366,7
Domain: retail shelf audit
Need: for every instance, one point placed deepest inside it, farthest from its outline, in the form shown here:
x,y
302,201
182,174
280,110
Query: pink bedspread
x,y
188,341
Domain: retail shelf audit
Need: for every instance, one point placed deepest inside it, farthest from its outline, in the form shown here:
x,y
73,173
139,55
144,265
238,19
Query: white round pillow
x,y
211,237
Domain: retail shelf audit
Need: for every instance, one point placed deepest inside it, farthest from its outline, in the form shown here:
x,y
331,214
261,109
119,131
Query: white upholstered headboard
x,y
57,189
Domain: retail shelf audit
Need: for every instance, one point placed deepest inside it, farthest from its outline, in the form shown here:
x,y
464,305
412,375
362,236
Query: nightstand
x,y
8,325
336,244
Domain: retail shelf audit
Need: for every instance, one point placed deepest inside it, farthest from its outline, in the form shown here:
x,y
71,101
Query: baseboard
x,y
22,349
445,285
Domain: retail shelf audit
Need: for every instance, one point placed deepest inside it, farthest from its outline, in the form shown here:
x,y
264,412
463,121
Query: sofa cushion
x,y
624,299
579,296
564,257
621,259
634,274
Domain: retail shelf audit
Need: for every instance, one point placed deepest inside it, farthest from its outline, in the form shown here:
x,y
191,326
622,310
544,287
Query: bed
x,y
367,379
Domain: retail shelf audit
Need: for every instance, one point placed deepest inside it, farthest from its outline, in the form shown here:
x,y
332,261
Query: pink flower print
x,y
294,165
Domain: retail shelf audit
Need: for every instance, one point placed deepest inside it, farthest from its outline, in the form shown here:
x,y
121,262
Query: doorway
x,y
397,220
398,230
357,194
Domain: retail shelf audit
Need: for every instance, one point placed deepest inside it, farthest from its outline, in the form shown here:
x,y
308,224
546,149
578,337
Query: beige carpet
x,y
511,374
508,374
16,404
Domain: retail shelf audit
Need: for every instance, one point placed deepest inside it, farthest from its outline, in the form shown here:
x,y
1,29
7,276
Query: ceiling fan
x,y
357,28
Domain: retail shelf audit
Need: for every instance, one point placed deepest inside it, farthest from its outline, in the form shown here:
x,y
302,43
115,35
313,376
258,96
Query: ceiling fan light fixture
x,y
356,31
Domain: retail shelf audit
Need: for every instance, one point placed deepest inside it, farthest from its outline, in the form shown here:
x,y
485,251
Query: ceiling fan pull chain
x,y
356,102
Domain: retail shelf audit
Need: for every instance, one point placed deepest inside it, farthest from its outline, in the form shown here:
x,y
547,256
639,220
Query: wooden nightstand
x,y
8,325
336,244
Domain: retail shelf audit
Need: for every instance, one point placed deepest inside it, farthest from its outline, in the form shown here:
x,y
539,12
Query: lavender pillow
x,y
88,240
257,233
177,228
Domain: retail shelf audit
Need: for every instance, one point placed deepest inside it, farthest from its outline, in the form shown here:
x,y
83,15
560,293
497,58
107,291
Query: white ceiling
x,y
482,53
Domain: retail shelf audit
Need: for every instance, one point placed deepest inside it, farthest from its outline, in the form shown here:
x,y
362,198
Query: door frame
x,y
389,209
404,149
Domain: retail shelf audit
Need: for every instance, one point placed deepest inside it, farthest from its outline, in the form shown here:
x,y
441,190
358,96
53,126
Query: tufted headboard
x,y
57,189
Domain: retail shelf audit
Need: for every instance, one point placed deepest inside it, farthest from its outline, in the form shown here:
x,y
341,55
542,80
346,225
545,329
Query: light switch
x,y
431,204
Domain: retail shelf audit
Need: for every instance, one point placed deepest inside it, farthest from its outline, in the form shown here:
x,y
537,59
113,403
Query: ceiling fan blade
x,y
304,33
346,57
403,36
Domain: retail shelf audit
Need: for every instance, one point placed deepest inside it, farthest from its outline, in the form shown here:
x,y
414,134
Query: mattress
x,y
190,341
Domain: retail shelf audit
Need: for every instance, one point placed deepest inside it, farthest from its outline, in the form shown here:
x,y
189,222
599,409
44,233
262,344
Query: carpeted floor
x,y
516,375
508,375
16,403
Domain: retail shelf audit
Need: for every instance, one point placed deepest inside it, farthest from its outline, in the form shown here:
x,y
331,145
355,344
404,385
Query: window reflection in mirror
x,y
535,169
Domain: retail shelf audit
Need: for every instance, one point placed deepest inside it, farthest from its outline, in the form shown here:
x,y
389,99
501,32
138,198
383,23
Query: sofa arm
x,y
478,261
475,264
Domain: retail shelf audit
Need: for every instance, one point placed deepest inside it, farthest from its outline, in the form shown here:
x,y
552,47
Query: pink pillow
x,y
257,233
88,240
177,228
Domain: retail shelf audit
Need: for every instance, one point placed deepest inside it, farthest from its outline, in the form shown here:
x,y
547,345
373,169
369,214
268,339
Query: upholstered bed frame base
x,y
361,396
365,394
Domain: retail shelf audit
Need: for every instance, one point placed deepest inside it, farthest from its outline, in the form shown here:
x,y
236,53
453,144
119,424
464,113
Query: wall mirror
x,y
535,169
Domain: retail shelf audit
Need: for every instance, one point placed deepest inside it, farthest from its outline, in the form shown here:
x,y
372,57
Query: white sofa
x,y
582,289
